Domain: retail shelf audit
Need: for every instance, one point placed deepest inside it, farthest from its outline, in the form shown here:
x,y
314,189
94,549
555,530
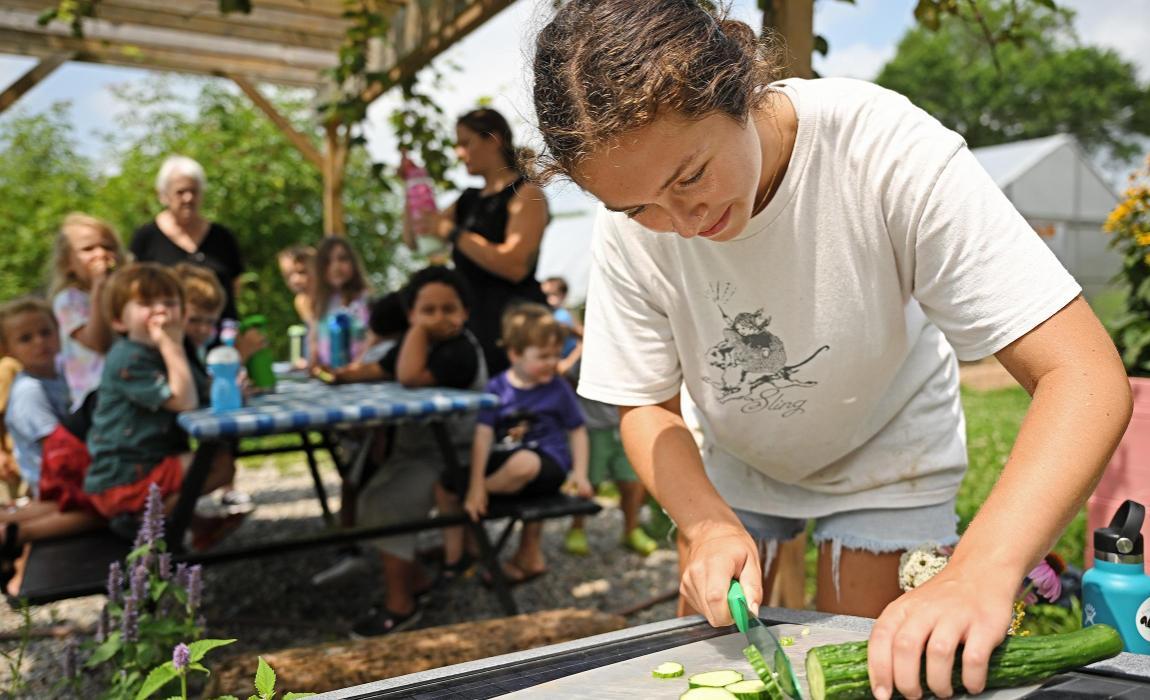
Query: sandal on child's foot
x,y
381,621
576,542
450,573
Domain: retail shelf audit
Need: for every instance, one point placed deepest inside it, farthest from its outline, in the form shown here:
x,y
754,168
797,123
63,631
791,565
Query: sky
x,y
493,64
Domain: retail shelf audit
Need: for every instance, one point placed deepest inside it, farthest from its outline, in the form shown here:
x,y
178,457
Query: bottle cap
x,y
1122,539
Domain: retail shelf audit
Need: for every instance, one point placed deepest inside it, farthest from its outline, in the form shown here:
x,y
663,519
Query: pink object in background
x,y
1128,474
419,197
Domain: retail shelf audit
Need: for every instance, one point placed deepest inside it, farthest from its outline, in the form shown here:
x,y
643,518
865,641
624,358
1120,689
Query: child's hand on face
x,y
165,328
476,502
100,267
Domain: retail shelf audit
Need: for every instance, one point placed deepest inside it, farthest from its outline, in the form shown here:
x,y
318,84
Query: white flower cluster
x,y
919,565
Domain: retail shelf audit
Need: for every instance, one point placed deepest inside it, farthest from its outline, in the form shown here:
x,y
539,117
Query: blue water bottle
x,y
339,339
224,365
1116,591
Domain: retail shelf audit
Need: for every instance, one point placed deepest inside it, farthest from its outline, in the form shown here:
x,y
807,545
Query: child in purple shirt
x,y
533,444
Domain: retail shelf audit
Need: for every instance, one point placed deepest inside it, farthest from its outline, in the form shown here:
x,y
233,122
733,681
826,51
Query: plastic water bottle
x,y
297,339
224,366
339,339
1116,591
419,201
260,363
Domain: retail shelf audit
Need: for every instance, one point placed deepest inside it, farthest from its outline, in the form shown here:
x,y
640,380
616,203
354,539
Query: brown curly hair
x,y
606,67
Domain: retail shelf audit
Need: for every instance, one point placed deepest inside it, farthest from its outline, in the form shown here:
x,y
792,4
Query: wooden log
x,y
336,665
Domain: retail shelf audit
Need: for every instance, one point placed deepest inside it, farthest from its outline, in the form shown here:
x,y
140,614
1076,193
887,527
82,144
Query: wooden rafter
x,y
31,79
300,141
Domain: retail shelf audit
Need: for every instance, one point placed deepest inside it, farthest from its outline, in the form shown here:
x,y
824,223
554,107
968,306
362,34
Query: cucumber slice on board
x,y
669,669
749,690
714,679
707,694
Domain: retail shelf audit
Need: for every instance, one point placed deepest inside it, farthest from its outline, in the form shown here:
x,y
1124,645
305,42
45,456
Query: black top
x,y
219,252
488,216
453,362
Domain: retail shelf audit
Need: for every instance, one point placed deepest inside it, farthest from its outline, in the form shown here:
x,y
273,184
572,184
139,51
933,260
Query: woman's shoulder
x,y
147,230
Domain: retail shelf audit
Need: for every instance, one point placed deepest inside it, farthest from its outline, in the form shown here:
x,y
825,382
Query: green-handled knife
x,y
765,653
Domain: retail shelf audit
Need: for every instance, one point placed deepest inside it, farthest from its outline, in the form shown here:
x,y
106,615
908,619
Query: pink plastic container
x,y
1128,474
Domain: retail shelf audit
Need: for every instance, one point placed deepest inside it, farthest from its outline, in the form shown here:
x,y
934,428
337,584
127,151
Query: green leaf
x,y
105,651
159,589
199,667
198,649
293,696
158,678
265,679
821,45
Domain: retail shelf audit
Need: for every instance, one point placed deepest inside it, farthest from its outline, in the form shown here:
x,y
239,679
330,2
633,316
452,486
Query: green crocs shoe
x,y
640,542
576,543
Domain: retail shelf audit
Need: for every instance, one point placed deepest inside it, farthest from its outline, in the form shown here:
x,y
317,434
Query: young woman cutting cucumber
x,y
810,259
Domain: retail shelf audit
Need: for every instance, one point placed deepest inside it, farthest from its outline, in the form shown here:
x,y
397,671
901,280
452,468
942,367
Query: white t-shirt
x,y
814,344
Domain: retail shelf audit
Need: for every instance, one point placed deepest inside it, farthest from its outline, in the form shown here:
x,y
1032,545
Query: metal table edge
x,y
1134,666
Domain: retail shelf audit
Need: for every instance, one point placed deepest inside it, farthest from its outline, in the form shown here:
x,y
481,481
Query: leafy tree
x,y
43,179
1043,87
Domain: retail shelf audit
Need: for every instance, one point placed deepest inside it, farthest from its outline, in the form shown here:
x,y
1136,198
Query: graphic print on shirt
x,y
752,361
511,432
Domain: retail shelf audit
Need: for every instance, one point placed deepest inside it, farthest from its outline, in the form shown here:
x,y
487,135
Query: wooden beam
x,y
301,142
794,20
31,79
422,30
203,17
182,59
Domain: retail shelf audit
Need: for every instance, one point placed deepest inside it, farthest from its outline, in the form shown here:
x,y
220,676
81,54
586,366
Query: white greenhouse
x,y
1053,183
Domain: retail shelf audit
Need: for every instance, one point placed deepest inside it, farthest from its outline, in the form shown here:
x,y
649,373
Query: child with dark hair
x,y
436,350
533,444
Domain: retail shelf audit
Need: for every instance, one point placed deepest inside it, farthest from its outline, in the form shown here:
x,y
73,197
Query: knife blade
x,y
764,641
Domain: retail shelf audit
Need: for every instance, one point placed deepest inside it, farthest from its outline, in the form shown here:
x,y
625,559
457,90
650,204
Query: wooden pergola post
x,y
336,144
32,78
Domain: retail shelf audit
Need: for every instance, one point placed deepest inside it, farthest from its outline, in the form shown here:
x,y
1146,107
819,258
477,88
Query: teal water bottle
x,y
1116,591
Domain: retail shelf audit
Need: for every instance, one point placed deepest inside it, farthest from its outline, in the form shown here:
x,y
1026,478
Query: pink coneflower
x,y
1046,581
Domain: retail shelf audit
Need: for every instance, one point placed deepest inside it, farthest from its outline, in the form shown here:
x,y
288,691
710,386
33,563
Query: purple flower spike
x,y
130,624
115,582
1046,581
180,656
139,587
195,587
181,575
102,625
164,564
152,524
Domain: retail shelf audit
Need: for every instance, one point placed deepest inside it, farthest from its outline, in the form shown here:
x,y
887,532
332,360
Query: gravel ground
x,y
269,604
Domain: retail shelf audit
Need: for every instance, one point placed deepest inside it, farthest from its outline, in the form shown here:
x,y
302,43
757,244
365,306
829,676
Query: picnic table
x,y
77,565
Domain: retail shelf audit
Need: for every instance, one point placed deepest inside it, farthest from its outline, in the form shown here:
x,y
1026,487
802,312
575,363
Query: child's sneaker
x,y
640,542
576,543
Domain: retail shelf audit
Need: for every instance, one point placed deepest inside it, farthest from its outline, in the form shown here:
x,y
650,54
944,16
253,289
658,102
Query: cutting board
x,y
632,678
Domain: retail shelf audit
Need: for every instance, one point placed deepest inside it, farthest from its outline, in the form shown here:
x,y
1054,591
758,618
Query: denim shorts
x,y
877,530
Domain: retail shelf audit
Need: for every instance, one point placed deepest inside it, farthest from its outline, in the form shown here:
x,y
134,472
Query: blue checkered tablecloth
x,y
313,405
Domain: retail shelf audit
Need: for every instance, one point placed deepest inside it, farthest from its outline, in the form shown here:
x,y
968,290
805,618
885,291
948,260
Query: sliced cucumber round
x,y
669,669
749,690
714,679
706,694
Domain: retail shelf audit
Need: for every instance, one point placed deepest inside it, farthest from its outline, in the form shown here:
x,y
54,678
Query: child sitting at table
x,y
533,444
436,350
37,402
296,267
148,379
204,304
387,322
340,287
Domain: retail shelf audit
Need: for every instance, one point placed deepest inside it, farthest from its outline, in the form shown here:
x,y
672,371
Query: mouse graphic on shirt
x,y
752,361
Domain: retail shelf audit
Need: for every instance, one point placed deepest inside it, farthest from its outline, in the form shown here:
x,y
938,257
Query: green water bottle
x,y
259,364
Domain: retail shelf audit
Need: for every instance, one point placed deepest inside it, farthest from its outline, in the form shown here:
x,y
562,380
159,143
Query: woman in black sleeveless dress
x,y
495,230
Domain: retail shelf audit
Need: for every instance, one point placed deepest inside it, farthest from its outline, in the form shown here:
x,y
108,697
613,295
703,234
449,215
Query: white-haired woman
x,y
180,233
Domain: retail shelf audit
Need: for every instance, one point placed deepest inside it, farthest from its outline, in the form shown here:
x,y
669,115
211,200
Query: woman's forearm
x,y
666,458
499,259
